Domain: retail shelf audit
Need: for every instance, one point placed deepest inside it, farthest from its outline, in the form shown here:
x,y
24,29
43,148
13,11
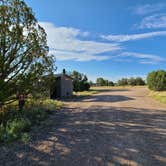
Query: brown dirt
x,y
119,126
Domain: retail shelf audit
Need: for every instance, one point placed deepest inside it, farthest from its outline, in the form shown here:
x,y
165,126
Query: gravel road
x,y
116,127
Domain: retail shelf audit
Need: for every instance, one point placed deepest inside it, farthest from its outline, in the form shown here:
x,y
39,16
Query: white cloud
x,y
144,58
67,55
149,8
123,38
65,44
154,21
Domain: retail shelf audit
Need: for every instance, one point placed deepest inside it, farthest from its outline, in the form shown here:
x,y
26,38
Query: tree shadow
x,y
106,98
100,98
95,136
111,90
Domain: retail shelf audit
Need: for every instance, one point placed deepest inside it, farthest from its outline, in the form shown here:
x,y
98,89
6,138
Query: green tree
x,y
123,82
139,81
156,80
110,83
103,82
80,81
23,49
100,81
131,81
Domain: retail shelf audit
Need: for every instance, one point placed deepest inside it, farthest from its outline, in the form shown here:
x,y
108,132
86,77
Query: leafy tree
x,y
131,81
156,80
103,82
100,81
123,82
139,81
23,50
110,83
80,81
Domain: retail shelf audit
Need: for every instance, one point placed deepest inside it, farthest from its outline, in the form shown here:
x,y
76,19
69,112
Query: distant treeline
x,y
122,82
131,81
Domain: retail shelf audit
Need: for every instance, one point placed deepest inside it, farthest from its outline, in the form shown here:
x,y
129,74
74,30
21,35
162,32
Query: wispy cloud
x,y
124,38
77,56
65,44
149,8
144,58
154,21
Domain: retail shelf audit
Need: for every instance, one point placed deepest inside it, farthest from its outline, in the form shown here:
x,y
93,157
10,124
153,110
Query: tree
x,y
139,81
123,82
103,82
131,81
80,81
156,80
23,49
110,83
100,81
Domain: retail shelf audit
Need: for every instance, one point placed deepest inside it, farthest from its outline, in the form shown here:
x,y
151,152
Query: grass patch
x,y
159,96
16,124
86,93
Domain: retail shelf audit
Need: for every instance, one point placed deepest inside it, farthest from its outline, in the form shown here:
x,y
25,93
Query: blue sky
x,y
105,38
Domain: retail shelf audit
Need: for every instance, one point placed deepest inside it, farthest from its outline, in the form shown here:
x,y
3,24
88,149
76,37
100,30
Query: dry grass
x,y
86,93
159,96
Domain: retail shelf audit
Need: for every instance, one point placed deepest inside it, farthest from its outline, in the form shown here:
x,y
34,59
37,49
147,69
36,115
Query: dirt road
x,y
112,128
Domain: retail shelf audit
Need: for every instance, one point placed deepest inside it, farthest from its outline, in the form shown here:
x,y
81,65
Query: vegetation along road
x,y
117,126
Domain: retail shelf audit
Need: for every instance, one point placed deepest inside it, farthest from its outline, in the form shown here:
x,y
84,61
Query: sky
x,y
105,38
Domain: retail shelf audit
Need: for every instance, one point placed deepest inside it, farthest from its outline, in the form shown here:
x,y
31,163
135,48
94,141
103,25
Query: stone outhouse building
x,y
63,87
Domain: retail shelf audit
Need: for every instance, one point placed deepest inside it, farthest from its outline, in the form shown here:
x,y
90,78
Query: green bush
x,y
156,80
25,137
15,127
36,115
14,124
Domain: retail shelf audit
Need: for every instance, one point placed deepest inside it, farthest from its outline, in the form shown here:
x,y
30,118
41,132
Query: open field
x,y
114,127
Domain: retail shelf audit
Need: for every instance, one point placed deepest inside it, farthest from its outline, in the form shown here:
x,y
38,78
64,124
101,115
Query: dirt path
x,y
113,128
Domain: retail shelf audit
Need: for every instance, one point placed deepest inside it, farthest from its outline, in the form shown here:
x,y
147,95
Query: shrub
x,y
36,115
15,127
25,137
14,124
156,80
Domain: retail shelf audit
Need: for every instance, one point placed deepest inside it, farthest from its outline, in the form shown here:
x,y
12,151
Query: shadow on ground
x,y
105,98
94,137
110,90
100,98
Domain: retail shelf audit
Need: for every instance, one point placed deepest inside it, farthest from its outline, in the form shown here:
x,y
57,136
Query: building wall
x,y
66,87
